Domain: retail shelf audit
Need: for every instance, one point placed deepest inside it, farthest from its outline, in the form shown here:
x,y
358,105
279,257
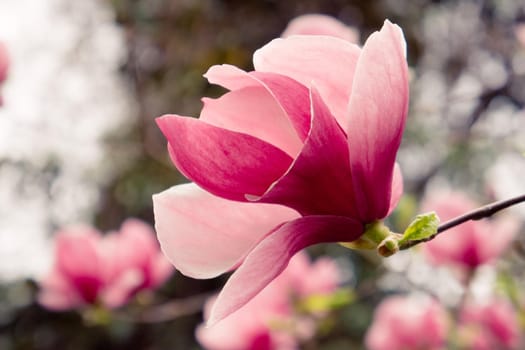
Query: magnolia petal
x,y
58,301
226,163
230,77
329,62
376,119
247,325
292,96
56,293
160,270
397,188
113,253
77,253
286,94
271,256
4,62
318,24
255,112
137,247
204,235
319,180
507,227
137,243
122,287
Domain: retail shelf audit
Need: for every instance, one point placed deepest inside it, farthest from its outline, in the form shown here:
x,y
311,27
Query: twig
x,y
168,311
477,214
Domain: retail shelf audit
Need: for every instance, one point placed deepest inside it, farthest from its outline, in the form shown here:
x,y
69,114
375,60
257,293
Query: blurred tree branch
x,y
168,311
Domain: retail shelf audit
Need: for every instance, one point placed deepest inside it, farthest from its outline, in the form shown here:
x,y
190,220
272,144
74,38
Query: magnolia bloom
x,y
4,65
519,32
402,322
472,243
317,24
300,151
110,269
489,326
267,321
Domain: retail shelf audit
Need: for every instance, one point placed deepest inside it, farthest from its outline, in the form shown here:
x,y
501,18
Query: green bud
x,y
389,246
423,226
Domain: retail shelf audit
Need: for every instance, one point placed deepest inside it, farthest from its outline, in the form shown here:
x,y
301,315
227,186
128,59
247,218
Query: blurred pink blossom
x,y
317,24
489,326
300,151
472,243
268,322
4,65
402,322
90,267
519,32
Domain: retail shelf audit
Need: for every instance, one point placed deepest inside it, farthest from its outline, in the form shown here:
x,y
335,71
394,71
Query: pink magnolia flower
x,y
488,326
266,321
4,65
300,151
110,269
519,32
472,243
317,24
402,322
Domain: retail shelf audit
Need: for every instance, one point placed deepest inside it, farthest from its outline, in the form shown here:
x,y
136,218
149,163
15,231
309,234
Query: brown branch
x,y
477,214
168,311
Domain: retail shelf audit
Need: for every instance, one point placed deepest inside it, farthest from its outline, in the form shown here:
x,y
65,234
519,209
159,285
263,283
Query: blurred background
x,y
79,144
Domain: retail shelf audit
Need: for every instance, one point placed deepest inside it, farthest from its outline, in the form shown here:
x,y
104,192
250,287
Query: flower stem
x,y
477,214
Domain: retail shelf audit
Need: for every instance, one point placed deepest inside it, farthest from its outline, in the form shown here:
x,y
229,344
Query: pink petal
x,y
113,255
4,62
317,24
56,293
136,247
321,277
78,260
204,235
292,96
408,322
247,325
122,288
397,188
319,181
230,77
137,244
287,92
327,61
287,96
271,256
76,251
505,227
376,119
226,163
497,323
160,270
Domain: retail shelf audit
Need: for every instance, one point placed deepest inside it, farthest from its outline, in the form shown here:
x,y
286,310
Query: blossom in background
x,y
317,24
270,320
408,322
488,326
90,267
519,32
4,65
472,243
300,151
504,179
